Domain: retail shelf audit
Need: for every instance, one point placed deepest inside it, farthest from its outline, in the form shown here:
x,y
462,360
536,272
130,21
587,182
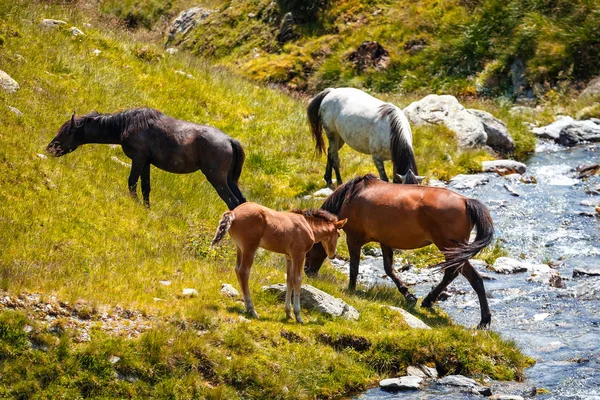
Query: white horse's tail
x,y
403,156
314,119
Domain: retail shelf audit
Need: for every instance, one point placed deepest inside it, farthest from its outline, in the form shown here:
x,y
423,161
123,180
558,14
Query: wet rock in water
x,y
506,265
286,30
313,298
586,272
184,23
504,167
7,83
52,23
579,132
552,131
410,319
229,290
541,317
511,190
586,171
588,290
542,273
372,251
402,383
414,371
506,397
529,179
370,54
463,181
498,137
457,380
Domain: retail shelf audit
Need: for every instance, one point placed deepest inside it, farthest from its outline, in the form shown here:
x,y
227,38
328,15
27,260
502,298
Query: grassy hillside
x,y
69,229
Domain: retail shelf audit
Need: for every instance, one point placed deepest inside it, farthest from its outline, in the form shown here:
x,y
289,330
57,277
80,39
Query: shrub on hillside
x,y
303,10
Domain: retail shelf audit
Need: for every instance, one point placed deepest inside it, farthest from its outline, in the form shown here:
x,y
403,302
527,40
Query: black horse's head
x,y
66,140
314,260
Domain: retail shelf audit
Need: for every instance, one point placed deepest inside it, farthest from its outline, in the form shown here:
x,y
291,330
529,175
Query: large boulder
x,y
185,22
499,138
473,128
7,83
578,132
315,299
552,131
402,383
592,89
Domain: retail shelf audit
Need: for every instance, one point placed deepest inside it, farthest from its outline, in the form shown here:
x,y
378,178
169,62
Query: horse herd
x,y
368,209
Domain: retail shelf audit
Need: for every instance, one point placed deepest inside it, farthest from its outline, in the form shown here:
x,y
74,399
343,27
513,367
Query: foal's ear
x,y
340,224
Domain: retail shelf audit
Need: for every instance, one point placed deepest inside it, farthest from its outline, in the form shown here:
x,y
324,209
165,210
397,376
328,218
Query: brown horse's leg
x,y
354,250
134,175
218,179
290,286
297,263
146,184
388,266
449,275
242,271
477,283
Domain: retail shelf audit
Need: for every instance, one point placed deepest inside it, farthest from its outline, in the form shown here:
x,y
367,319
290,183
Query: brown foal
x,y
251,226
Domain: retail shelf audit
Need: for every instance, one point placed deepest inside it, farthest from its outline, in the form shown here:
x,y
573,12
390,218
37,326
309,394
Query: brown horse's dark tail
x,y
403,156
233,176
224,225
314,119
481,218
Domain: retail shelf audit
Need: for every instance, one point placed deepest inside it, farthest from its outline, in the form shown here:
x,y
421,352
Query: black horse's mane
x,y
316,213
132,120
347,191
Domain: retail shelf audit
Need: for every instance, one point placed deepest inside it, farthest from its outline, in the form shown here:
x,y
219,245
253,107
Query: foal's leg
x,y
146,184
388,265
378,160
449,275
242,270
218,179
290,286
477,283
297,263
354,250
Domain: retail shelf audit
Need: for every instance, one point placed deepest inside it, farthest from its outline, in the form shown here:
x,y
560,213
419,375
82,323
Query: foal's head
x,y
68,137
326,228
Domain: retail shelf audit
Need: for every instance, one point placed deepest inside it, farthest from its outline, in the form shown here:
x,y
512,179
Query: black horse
x,y
148,136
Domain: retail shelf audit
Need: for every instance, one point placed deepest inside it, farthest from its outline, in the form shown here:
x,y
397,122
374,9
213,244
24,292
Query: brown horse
x,y
409,217
290,233
148,136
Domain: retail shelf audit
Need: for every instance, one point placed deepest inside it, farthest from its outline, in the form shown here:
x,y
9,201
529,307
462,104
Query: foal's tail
x,y
224,225
314,119
481,218
403,156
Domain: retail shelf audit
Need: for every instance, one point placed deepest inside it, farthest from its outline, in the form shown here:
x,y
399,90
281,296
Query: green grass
x,y
70,229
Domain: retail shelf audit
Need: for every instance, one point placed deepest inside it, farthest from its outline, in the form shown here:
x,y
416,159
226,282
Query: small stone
x,y
114,359
586,271
188,292
402,383
229,290
414,371
7,83
76,31
96,52
506,265
430,371
15,111
251,15
468,181
42,156
511,190
504,167
319,194
506,397
410,319
52,23
171,50
27,328
457,380
165,283
541,317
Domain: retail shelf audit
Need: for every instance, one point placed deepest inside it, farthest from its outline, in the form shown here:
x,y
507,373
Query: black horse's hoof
x,y
485,323
411,298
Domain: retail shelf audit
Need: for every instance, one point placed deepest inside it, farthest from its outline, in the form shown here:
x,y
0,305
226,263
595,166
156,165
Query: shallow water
x,y
545,223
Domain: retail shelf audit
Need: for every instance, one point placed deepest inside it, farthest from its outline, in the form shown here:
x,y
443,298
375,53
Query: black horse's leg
x,y
219,181
388,266
134,175
335,159
477,283
146,184
233,186
380,167
449,275
354,250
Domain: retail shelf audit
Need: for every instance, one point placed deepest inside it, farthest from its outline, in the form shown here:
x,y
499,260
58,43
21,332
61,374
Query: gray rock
x,y
446,110
588,290
435,183
7,83
171,50
410,319
552,131
184,23
313,298
414,371
506,397
544,274
506,265
498,137
188,292
52,23
511,190
430,371
578,132
457,380
402,383
504,167
15,111
229,290
76,31
586,272
468,181
592,89
319,194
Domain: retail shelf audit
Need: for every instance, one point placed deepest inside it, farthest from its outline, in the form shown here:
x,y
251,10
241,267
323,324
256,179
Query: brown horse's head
x,y
66,140
314,260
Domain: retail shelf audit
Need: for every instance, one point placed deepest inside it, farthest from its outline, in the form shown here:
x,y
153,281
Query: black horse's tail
x,y
239,156
403,156
314,119
481,218
224,225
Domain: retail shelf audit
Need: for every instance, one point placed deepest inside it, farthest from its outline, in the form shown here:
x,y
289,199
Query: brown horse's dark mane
x,y
132,120
345,192
316,213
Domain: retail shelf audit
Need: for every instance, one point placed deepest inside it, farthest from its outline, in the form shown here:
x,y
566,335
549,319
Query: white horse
x,y
368,125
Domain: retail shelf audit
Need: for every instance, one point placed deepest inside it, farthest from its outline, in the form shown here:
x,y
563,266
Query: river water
x,y
551,221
